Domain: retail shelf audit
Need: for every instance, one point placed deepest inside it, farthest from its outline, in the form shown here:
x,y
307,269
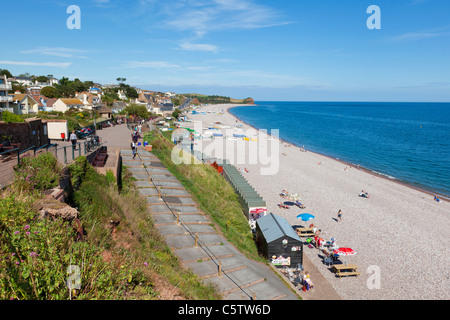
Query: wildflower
x,y
17,262
34,254
26,227
145,264
27,233
17,232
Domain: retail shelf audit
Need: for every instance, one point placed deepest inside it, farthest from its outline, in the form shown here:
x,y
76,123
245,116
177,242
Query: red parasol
x,y
344,252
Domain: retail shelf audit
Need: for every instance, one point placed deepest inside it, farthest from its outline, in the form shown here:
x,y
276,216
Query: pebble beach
x,y
399,233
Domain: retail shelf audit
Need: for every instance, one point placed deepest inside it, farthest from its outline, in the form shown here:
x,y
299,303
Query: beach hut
x,y
278,242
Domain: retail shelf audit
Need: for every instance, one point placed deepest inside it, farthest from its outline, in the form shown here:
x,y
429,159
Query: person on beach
x,y
436,198
364,194
339,215
307,283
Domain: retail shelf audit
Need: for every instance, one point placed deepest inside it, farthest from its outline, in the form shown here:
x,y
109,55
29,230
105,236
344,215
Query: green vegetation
x,y
111,94
66,88
137,110
120,254
213,194
37,174
215,99
9,117
49,92
6,73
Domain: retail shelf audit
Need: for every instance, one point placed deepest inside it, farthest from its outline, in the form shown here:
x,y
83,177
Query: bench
x,y
348,273
305,232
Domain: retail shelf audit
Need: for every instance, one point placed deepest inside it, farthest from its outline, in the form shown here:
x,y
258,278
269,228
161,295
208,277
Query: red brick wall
x,y
28,134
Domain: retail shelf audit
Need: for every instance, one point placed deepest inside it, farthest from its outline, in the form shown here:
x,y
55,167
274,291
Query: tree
x,y
64,91
121,80
78,86
18,87
89,83
6,73
64,81
49,92
131,92
134,109
176,114
41,79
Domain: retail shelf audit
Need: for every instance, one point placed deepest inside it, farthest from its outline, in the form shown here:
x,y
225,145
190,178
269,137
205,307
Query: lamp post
x,y
94,115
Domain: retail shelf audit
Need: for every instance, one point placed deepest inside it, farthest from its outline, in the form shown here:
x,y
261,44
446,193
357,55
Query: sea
x,y
404,141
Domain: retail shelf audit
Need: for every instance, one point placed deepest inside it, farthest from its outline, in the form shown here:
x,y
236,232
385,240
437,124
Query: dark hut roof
x,y
274,227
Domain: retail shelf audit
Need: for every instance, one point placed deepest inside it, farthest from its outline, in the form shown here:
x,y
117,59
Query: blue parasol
x,y
305,217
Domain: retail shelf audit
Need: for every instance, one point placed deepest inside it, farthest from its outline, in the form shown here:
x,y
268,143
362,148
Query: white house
x,y
64,104
122,95
170,94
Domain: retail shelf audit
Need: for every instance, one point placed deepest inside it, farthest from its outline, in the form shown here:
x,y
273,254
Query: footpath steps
x,y
193,238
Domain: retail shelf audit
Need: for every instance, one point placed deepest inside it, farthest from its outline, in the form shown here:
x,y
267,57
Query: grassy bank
x,y
120,254
213,194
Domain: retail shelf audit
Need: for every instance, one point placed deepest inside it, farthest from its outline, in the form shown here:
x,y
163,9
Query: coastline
x,y
400,230
432,193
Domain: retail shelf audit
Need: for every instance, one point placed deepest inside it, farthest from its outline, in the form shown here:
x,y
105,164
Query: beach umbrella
x,y
305,217
345,251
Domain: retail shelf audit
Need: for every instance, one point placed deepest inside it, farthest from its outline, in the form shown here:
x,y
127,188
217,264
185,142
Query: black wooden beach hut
x,y
278,242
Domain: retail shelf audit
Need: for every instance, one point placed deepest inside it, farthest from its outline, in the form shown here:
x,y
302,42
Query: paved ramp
x,y
194,239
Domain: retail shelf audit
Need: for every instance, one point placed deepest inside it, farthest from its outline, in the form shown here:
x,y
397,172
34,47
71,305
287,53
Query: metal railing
x,y
213,258
9,159
6,98
69,153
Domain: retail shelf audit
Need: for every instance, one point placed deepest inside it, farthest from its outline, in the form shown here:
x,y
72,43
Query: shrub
x,y
38,173
35,255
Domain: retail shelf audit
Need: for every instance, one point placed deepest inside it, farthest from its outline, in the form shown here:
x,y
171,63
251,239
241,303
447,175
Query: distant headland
x,y
215,99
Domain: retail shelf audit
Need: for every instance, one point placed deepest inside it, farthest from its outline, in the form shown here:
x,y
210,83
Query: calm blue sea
x,y
406,141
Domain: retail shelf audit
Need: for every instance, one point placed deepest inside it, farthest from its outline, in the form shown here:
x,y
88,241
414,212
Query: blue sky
x,y
270,50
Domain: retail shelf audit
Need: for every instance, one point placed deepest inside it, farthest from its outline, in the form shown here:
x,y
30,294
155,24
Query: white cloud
x,y
57,52
412,36
202,17
420,35
199,47
38,64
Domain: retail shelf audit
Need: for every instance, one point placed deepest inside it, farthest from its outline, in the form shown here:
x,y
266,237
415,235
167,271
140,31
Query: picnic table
x,y
344,270
305,232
